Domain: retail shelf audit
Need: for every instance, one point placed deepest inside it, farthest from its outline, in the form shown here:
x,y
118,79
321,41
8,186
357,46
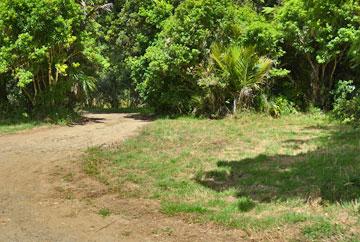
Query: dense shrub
x,y
160,54
49,51
317,39
347,102
234,75
275,106
167,75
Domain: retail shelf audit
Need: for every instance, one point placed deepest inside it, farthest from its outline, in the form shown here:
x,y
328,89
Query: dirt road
x,y
45,197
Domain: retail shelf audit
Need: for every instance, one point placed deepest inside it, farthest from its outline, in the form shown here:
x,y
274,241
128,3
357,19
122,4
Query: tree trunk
x,y
317,83
322,81
235,105
114,103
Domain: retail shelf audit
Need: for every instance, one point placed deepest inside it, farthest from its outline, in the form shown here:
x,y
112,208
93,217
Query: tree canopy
x,y
162,54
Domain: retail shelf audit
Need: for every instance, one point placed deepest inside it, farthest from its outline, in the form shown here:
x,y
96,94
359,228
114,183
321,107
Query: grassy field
x,y
296,178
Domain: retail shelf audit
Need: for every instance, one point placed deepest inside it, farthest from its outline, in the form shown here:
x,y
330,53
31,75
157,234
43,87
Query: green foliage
x,y
45,47
355,50
104,212
165,73
264,34
308,53
235,73
318,35
159,54
347,102
276,106
241,67
284,106
133,27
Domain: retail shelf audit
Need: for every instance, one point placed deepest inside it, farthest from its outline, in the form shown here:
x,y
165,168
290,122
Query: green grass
x,y
104,212
298,173
10,127
175,208
322,230
245,204
13,122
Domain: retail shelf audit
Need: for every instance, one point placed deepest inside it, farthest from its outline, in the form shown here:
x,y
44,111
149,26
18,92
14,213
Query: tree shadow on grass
x,y
331,172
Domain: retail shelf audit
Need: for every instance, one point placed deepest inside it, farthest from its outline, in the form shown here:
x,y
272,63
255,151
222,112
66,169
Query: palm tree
x,y
242,69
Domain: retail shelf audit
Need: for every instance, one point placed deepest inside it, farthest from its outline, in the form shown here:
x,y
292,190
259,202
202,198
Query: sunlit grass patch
x,y
12,128
322,230
254,172
13,122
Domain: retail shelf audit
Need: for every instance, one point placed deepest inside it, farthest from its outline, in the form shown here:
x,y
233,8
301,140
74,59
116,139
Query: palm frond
x,y
87,84
217,56
242,67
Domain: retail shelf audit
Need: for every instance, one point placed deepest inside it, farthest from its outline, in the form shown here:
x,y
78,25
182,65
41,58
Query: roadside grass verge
x,y
12,126
293,178
13,122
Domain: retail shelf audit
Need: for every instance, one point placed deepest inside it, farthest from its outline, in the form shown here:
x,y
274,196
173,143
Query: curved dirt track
x,y
37,203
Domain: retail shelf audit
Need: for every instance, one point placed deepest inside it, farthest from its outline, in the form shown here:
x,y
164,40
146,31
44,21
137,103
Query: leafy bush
x,y
240,72
317,36
49,51
167,74
276,106
284,106
347,102
159,50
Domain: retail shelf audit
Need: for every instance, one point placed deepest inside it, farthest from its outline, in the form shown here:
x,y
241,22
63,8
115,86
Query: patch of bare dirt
x,y
44,196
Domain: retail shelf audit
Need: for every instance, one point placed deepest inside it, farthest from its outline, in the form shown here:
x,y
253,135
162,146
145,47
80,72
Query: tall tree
x,y
321,33
49,48
134,26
